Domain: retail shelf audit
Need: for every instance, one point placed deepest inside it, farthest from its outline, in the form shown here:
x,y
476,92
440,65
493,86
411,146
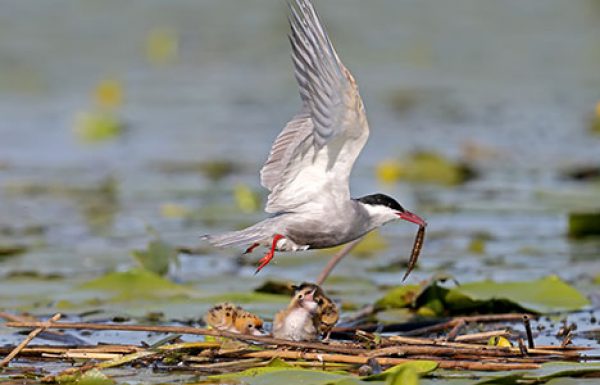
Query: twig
x,y
336,259
484,336
346,348
386,361
43,326
477,318
423,342
522,347
527,324
455,330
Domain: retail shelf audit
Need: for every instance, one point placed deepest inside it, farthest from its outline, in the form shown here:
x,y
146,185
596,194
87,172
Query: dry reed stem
x,y
386,361
476,318
346,348
43,326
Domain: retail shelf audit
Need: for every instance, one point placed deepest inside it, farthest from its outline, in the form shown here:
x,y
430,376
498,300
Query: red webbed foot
x,y
264,261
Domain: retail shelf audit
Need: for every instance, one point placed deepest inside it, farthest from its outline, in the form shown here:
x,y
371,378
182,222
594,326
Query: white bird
x,y
309,165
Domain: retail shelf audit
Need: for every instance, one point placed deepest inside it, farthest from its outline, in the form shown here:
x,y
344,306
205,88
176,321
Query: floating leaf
x,y
174,211
275,373
477,246
389,171
135,284
217,169
276,287
406,376
584,224
11,250
95,126
547,372
549,294
246,199
91,377
157,257
424,167
417,367
398,297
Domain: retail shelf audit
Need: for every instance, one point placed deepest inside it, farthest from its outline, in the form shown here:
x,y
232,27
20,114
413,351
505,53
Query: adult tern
x,y
309,165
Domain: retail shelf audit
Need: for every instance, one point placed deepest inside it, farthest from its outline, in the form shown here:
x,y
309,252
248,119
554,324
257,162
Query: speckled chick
x,y
328,313
229,317
299,321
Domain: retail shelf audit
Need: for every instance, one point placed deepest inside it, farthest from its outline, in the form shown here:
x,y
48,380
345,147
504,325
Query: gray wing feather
x,y
320,74
282,152
332,109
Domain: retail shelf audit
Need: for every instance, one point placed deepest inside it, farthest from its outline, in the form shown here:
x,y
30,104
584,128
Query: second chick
x,y
309,315
234,319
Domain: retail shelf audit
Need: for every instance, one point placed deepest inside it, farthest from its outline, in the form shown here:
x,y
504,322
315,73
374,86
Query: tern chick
x,y
328,313
234,319
299,322
310,315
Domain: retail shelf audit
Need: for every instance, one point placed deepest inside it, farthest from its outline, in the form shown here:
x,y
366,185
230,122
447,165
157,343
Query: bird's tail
x,y
257,233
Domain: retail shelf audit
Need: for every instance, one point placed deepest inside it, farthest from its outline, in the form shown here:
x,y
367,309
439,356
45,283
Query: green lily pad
x,y
540,296
399,297
11,250
547,372
97,126
544,295
135,284
584,224
91,377
278,372
417,367
425,167
157,257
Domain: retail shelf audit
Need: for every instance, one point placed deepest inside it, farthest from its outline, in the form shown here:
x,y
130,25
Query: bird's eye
x,y
300,296
251,326
320,301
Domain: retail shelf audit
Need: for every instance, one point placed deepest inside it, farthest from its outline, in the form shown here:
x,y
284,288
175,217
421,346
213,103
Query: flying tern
x,y
310,162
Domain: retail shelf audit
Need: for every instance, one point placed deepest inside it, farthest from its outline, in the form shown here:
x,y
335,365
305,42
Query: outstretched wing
x,y
316,150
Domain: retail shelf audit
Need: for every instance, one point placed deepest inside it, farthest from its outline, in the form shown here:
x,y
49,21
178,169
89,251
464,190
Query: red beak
x,y
408,216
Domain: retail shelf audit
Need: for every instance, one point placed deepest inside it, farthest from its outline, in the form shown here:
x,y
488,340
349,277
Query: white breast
x,y
298,326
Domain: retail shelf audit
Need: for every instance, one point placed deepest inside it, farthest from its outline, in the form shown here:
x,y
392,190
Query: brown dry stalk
x,y
483,336
476,318
472,338
455,330
458,347
43,326
386,361
346,348
117,349
89,355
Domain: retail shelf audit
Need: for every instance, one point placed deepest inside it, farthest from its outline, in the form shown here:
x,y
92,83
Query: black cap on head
x,y
381,200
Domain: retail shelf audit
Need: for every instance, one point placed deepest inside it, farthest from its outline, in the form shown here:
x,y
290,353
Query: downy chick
x,y
231,318
299,321
327,313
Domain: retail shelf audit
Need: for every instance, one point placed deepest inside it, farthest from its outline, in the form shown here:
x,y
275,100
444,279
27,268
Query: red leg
x,y
264,261
251,248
